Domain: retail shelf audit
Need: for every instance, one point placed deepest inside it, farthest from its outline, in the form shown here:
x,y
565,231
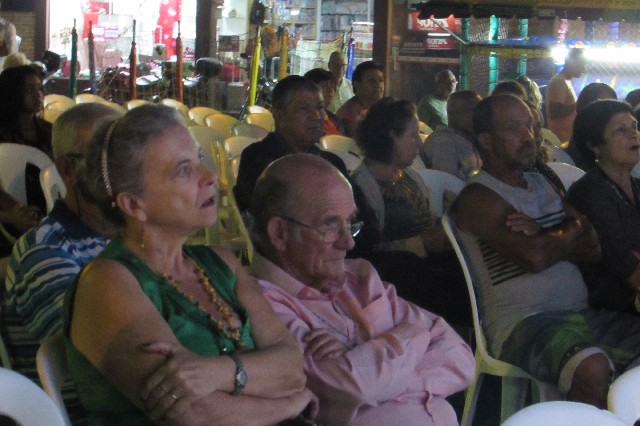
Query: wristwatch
x,y
241,374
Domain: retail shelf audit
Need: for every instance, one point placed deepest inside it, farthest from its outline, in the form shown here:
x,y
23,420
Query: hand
x,y
181,379
306,404
23,220
520,222
322,345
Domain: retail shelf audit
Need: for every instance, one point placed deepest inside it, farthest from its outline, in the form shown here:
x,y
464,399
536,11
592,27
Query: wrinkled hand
x,y
24,217
183,378
520,222
322,345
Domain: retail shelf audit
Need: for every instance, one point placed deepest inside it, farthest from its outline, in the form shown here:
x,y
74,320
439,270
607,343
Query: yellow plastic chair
x,y
340,143
222,123
197,114
257,109
173,103
84,98
65,100
262,119
51,115
251,130
234,145
135,103
424,128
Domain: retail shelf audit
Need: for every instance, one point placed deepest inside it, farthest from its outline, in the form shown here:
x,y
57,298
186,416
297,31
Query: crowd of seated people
x,y
158,331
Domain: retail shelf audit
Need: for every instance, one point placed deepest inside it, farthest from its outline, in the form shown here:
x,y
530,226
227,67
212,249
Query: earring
x,y
597,157
141,235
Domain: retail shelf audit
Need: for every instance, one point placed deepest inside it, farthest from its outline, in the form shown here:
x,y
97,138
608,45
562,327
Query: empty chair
x,y
264,120
444,188
51,115
173,103
566,172
564,413
222,123
251,130
514,379
340,143
48,99
257,109
234,145
197,114
84,98
350,160
52,185
53,371
13,160
624,399
25,402
551,137
135,103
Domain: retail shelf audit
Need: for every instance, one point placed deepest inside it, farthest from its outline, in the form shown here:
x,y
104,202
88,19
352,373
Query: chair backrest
x,y
13,160
5,361
566,172
559,155
262,119
234,145
235,166
84,98
59,105
115,106
50,115
52,185
340,143
424,128
222,123
551,137
173,103
443,186
208,139
26,403
257,109
65,100
51,361
562,413
251,130
197,114
624,399
135,103
350,160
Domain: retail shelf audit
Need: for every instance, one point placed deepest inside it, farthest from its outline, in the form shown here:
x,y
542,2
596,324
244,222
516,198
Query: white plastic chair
x,y
197,114
350,160
566,172
551,137
251,130
234,145
222,123
65,100
559,155
25,402
624,399
440,183
514,380
52,185
565,413
257,109
51,361
135,103
424,128
263,119
84,98
173,103
340,143
13,159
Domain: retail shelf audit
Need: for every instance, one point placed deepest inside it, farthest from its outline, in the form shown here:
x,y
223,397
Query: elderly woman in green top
x,y
161,332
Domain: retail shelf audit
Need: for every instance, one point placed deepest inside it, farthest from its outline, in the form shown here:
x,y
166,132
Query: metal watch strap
x,y
240,376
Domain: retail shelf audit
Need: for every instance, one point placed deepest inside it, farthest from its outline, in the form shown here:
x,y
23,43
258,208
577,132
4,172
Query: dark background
x,y
18,5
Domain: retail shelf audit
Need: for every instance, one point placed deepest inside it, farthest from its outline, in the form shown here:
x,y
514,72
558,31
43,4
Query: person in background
x,y
609,196
581,154
323,78
20,106
344,88
561,98
534,97
368,86
298,111
432,109
46,259
633,99
451,149
158,331
8,39
511,87
370,356
15,59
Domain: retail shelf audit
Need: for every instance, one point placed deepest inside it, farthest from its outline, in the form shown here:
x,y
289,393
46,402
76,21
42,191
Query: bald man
x,y
432,109
344,88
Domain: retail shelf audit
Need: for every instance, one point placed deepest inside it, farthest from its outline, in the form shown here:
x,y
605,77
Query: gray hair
x,y
66,129
121,145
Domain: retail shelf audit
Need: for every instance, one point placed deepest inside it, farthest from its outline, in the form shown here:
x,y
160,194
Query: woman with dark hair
x,y
162,332
21,103
610,198
401,236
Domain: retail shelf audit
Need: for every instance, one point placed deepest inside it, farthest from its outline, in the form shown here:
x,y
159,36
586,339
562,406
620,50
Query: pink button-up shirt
x,y
403,360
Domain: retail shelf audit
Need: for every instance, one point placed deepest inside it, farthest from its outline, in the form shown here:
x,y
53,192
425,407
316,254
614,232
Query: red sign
x,y
452,23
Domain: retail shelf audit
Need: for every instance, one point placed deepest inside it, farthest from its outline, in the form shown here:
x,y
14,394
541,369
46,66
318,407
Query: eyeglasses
x,y
332,233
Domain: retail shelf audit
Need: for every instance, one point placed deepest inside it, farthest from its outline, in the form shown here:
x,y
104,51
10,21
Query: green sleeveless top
x,y
193,329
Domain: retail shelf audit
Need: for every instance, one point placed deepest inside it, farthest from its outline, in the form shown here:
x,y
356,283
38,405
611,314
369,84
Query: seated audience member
x,y
511,87
20,106
401,236
522,242
368,86
15,59
158,331
544,151
633,98
344,89
298,111
577,149
451,149
371,357
46,260
534,97
608,195
432,109
323,78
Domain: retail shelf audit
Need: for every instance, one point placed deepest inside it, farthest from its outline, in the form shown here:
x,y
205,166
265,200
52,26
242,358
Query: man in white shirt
x,y
344,89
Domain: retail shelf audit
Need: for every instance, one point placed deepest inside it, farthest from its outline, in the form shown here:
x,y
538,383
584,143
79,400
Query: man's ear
x,y
278,233
66,169
131,206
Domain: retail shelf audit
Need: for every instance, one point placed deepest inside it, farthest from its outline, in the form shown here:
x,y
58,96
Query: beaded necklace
x,y
224,325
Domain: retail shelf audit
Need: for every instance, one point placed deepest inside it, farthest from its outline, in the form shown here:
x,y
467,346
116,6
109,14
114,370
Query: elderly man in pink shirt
x,y
370,356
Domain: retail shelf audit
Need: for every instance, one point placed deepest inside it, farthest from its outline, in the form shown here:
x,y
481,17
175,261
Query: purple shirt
x,y
403,360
